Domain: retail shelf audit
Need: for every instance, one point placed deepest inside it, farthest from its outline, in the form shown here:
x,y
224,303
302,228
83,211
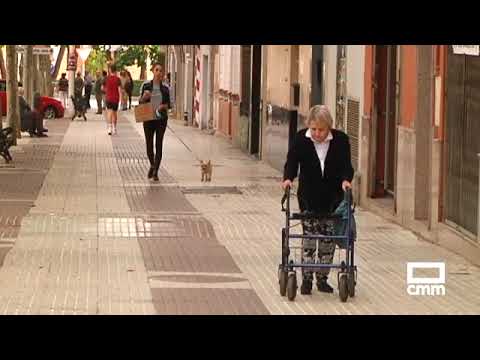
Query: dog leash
x,y
188,148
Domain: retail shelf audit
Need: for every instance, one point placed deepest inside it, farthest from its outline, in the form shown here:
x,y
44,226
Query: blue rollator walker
x,y
347,274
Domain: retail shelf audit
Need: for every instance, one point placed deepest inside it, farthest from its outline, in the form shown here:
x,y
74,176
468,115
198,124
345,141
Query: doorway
x,y
462,145
385,112
205,98
317,75
256,83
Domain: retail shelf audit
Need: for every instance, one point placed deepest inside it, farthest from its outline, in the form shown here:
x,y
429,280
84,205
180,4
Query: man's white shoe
x,y
114,130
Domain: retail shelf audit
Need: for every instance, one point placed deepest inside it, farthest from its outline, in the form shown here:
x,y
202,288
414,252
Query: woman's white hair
x,y
320,113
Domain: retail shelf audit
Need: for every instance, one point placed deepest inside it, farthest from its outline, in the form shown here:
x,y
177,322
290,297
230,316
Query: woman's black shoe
x,y
150,173
323,286
155,177
306,287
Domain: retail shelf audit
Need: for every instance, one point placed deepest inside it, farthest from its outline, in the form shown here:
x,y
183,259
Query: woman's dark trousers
x,y
154,128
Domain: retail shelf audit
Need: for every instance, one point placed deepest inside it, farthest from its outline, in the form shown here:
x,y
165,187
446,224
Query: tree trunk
x,y
114,56
3,71
143,72
20,67
43,89
13,116
34,74
58,62
38,80
45,76
1,116
40,75
28,74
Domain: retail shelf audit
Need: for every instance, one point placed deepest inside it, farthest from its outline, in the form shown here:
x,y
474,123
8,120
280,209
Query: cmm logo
x,y
426,286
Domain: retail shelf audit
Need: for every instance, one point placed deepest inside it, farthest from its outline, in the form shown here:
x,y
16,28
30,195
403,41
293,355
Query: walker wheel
x,y
292,286
343,287
351,284
282,281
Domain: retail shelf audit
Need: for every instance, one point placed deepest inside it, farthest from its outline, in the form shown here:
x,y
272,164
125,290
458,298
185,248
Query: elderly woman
x,y
323,155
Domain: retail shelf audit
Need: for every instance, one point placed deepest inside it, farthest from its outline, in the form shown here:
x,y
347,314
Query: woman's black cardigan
x,y
317,191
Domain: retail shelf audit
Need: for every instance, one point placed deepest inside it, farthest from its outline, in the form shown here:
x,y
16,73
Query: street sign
x,y
42,50
72,62
37,50
466,49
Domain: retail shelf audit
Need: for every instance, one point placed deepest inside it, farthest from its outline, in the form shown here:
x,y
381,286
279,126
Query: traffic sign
x,y
42,50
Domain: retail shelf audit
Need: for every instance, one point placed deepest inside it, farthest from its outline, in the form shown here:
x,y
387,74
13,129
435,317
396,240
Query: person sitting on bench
x,y
31,121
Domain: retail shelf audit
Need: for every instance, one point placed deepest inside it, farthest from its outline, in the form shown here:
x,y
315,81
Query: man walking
x,y
63,89
113,93
78,86
98,91
88,88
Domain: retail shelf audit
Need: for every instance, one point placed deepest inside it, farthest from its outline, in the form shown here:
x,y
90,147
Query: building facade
x,y
410,112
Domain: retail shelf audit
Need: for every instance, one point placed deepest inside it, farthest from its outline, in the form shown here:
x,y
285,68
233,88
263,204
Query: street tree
x,y
157,54
13,116
97,61
3,70
133,55
28,73
139,55
58,61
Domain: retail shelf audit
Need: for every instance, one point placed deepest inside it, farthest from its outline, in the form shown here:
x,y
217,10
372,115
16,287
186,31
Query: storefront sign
x,y
42,50
72,62
466,49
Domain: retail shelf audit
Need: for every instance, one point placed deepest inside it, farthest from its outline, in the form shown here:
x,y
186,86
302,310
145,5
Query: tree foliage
x,y
132,55
127,55
157,54
97,60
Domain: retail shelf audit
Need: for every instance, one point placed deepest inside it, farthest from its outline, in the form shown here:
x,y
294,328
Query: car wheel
x,y
50,113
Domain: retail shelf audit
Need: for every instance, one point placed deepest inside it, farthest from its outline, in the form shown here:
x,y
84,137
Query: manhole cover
x,y
383,228
276,178
12,169
254,212
211,190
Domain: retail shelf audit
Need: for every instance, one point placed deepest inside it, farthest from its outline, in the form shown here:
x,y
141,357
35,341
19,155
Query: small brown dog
x,y
206,170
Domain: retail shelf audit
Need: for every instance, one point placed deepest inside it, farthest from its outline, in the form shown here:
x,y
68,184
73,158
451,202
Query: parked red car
x,y
50,107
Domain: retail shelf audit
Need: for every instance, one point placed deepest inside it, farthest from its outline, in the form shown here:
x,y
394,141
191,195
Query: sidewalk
x,y
102,239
